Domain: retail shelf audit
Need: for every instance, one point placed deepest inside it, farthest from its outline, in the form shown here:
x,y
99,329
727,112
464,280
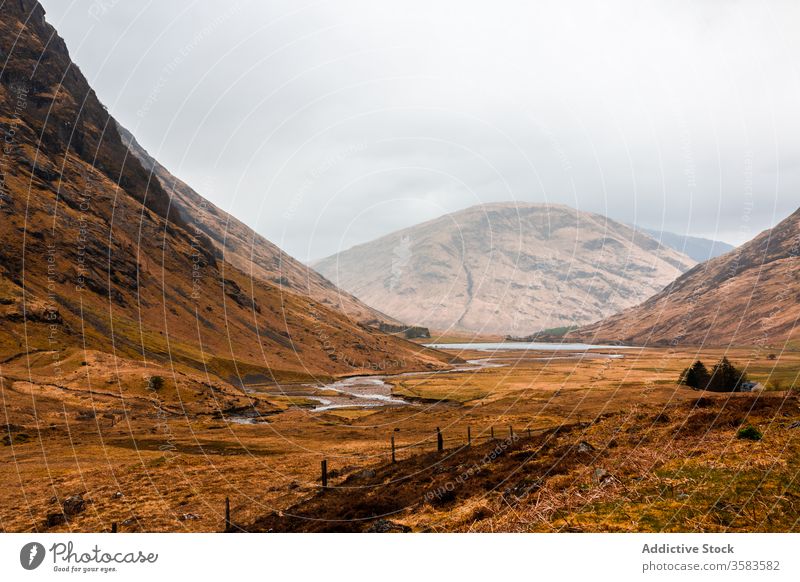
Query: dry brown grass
x,y
174,457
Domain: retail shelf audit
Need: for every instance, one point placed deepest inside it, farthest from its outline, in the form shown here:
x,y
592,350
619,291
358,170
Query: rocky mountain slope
x,y
750,296
96,254
511,268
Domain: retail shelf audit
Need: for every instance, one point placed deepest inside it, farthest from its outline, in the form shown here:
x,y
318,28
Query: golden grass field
x,y
166,460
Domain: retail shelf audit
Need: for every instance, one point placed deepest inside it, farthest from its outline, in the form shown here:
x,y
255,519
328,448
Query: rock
x,y
795,424
386,526
584,447
365,474
54,519
118,495
293,485
682,496
73,505
601,476
522,489
188,517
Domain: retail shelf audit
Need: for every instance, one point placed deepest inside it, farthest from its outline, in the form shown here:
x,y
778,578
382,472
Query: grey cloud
x,y
325,124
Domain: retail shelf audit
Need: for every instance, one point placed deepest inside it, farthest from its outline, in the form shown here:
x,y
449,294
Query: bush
x,y
749,433
776,384
155,383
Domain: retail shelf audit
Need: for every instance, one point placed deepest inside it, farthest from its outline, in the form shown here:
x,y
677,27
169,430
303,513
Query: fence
x,y
436,439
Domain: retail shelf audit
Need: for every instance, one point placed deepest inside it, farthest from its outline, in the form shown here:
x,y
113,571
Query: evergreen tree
x,y
725,377
696,376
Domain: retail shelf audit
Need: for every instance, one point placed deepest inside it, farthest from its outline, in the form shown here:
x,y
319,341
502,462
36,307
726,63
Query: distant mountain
x,y
750,296
699,249
95,254
509,268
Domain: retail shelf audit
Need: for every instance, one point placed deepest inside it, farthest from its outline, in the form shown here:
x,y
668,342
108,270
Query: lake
x,y
533,346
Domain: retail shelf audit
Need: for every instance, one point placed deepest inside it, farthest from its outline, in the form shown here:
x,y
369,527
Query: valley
x,y
166,368
167,461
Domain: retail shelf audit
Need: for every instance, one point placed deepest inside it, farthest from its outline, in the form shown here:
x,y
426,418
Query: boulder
x,y
365,474
601,476
73,505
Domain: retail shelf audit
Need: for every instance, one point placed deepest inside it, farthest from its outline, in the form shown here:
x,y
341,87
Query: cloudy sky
x,y
324,124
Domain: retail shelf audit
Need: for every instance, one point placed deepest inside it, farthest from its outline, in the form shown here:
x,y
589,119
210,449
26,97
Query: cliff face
x,y
95,253
507,268
750,296
61,112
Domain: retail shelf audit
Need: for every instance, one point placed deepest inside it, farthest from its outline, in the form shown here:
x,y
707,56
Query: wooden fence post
x,y
469,436
511,432
324,466
227,514
113,527
492,432
394,458
439,440
529,432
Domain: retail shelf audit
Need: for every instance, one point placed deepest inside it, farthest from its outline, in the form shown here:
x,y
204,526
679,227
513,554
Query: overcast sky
x,y
327,124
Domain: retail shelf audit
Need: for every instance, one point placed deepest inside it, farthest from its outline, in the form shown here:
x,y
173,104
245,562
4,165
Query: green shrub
x,y
749,433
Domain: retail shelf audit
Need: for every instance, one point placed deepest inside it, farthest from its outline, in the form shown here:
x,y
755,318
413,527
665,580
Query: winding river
x,y
376,391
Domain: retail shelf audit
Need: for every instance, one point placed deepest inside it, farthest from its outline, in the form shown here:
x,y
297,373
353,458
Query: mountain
x,y
506,268
97,256
699,249
750,296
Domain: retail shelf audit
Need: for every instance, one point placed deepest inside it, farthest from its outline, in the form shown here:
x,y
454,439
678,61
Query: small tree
x,y
725,377
696,376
